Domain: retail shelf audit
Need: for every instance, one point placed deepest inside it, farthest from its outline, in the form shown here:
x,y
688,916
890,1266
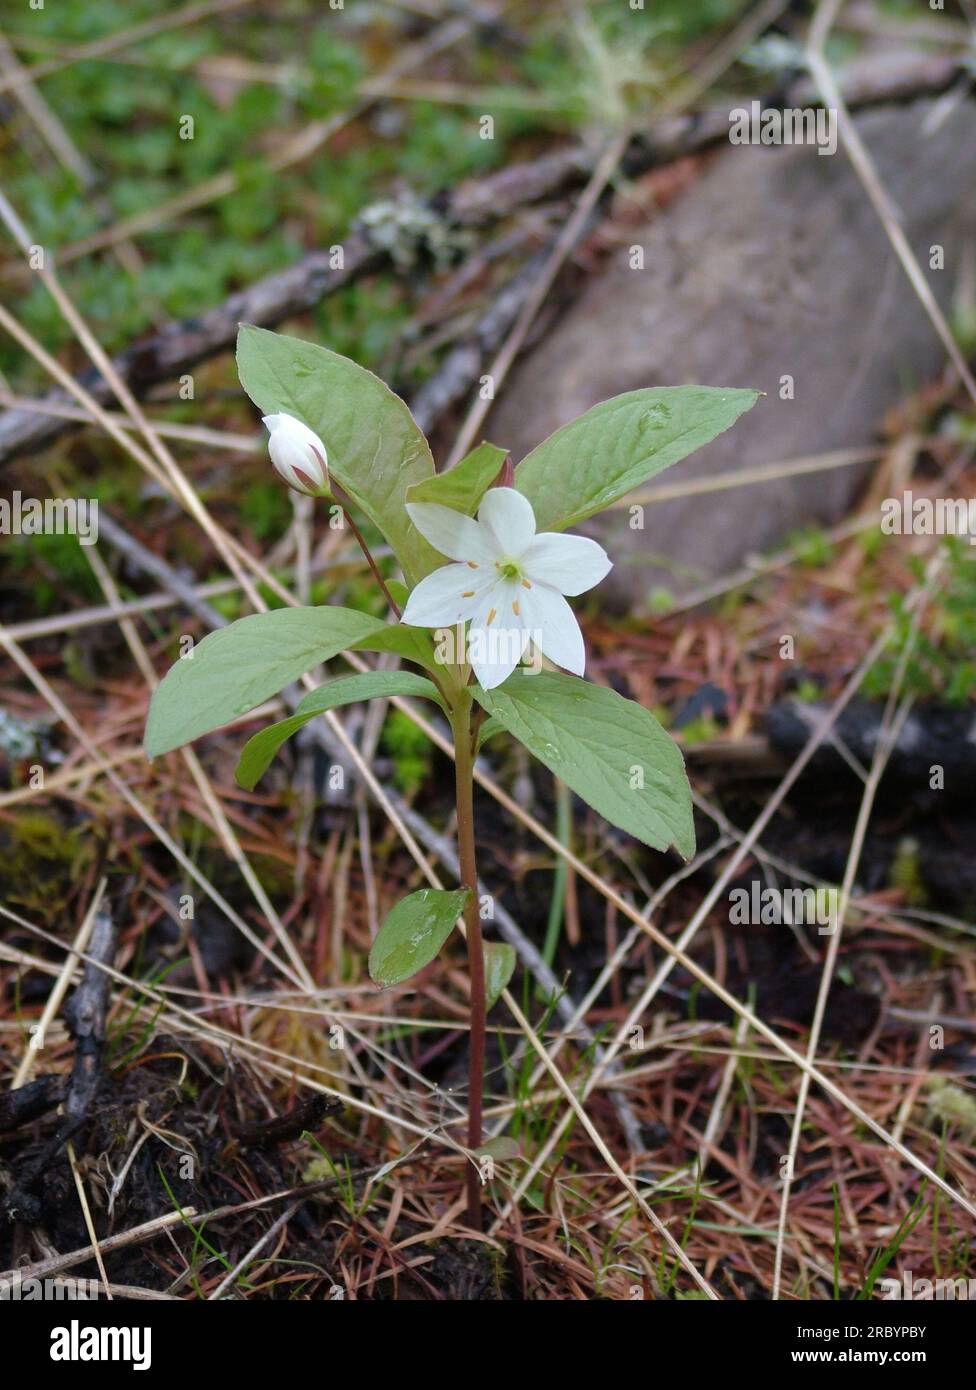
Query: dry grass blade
x,y
823,20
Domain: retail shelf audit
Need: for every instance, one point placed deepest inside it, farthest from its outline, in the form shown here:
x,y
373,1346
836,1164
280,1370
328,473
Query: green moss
x,y
410,750
950,1104
812,546
53,565
701,730
40,860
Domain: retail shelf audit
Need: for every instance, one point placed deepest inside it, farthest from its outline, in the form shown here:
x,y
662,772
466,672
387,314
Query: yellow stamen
x,y
468,593
526,584
490,618
472,565
515,608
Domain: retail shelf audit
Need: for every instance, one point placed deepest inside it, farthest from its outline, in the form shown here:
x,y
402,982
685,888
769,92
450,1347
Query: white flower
x,y
508,583
298,455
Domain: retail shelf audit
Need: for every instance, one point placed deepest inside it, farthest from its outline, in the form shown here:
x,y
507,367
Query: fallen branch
x,y
281,1129
182,345
30,1102
462,365
86,1013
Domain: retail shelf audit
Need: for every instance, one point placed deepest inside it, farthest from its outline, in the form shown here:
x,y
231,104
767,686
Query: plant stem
x,y
464,779
465,733
372,563
560,878
438,681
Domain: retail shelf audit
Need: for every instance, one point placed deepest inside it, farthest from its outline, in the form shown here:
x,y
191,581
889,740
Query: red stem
x,y
464,779
372,563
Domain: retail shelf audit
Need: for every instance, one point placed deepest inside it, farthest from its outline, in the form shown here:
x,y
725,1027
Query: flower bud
x,y
298,455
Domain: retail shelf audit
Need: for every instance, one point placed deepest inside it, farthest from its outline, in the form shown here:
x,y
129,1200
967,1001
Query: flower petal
x,y
553,627
298,455
498,633
453,534
290,427
298,468
447,596
571,564
510,519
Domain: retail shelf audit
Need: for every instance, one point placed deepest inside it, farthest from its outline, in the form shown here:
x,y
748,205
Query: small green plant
x,y
941,665
486,566
812,546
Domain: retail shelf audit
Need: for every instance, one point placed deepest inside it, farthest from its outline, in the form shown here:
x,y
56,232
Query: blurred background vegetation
x,y
541,74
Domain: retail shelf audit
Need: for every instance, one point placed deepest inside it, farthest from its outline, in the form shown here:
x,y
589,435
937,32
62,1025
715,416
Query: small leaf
x,y
488,729
500,960
376,449
413,643
236,668
501,1148
610,751
413,933
462,487
259,751
609,450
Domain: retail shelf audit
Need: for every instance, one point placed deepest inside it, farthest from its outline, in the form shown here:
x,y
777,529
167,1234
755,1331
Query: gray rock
x,y
773,263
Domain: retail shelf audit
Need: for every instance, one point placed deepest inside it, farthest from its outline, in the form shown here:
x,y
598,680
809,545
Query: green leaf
x,y
488,729
236,668
413,933
601,745
500,960
413,643
399,592
462,487
609,450
375,448
259,751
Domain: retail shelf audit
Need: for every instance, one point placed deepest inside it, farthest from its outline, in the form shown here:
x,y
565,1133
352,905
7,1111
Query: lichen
x,y
406,228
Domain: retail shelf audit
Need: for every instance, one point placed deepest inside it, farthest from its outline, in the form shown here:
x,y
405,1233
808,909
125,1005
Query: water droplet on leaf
x,y
655,416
